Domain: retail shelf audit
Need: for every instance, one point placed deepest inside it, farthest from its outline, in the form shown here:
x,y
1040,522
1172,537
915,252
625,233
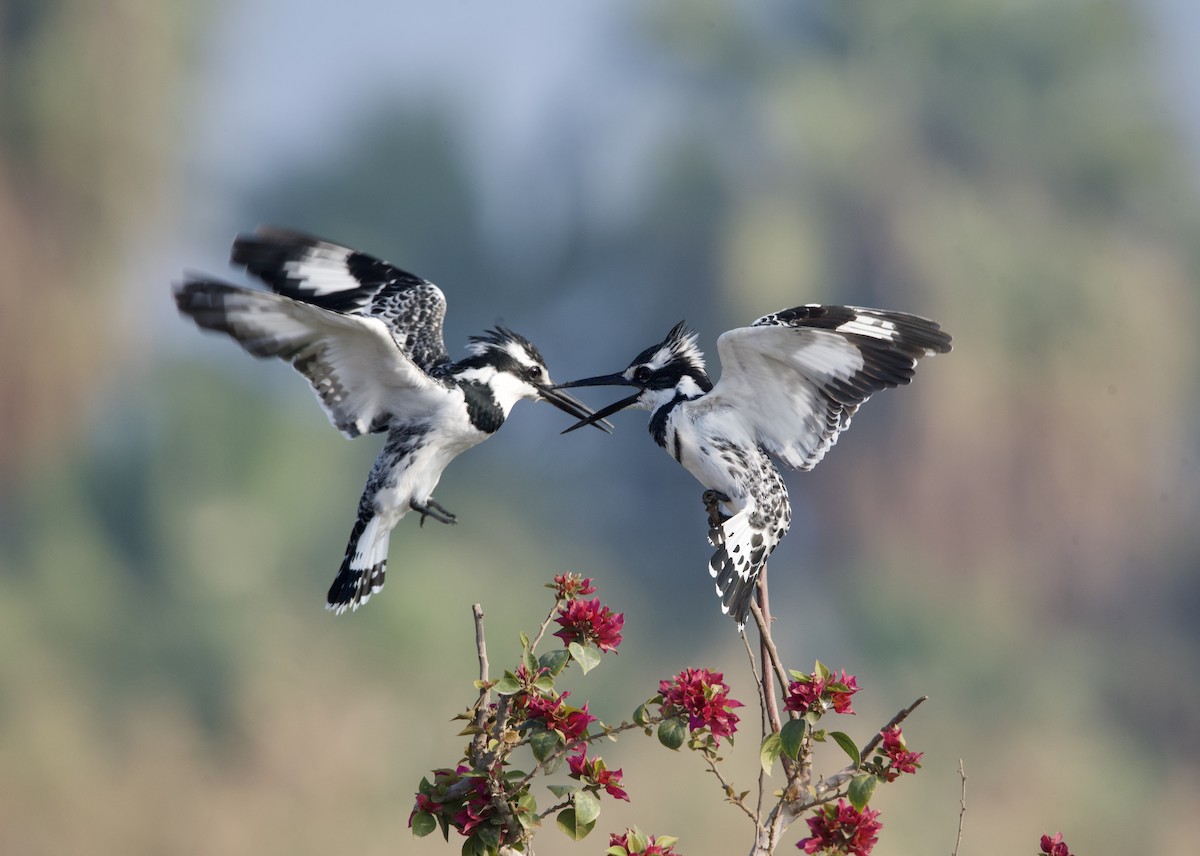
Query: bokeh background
x,y
1016,535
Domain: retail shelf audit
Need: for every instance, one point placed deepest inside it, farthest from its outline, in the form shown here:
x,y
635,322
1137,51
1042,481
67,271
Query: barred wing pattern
x,y
340,279
799,375
359,374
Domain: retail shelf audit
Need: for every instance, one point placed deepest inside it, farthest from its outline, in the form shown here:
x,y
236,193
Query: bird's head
x,y
672,369
512,368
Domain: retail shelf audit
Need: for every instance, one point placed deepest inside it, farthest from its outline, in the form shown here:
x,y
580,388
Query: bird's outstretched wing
x,y
338,278
799,375
352,361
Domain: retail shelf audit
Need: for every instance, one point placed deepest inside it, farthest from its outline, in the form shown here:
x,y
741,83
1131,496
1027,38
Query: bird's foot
x,y
432,508
712,504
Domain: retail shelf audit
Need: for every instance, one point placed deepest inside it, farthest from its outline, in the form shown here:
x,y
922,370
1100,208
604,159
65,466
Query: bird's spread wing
x,y
799,375
338,278
351,360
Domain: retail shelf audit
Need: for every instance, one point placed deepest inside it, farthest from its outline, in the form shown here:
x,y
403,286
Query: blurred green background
x,y
1015,535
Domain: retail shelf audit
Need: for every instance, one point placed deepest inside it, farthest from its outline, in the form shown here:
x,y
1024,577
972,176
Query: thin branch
x,y
762,615
765,635
485,690
762,715
730,793
892,723
545,814
769,653
962,806
542,630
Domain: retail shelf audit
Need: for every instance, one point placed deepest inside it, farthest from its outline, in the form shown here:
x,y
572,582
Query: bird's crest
x,y
679,350
503,339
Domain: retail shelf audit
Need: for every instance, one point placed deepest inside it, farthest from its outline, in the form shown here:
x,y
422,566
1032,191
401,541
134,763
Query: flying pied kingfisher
x,y
790,383
368,336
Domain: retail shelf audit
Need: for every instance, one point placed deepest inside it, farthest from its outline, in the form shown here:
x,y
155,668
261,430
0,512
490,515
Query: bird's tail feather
x,y
735,565
365,565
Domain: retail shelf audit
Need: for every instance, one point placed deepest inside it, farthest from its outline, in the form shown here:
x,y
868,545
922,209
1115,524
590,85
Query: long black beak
x,y
575,407
602,380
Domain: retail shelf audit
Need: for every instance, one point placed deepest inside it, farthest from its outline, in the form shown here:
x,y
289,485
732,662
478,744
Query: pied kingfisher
x,y
790,383
368,336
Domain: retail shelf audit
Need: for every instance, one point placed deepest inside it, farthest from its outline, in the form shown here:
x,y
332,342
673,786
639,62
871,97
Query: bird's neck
x,y
487,398
663,407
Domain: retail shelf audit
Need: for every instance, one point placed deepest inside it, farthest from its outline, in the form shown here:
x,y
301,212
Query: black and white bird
x,y
790,383
368,336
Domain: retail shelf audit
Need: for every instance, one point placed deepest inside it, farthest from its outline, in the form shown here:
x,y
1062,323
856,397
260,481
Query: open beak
x,y
575,407
602,380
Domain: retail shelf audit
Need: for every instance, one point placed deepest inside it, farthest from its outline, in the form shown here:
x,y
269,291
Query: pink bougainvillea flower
x,y
819,691
899,758
840,691
804,695
842,828
568,586
588,622
631,842
703,697
592,771
1055,846
570,723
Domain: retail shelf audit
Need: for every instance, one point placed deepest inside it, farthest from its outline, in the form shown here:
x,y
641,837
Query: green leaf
x,y
545,683
640,717
665,841
561,791
587,658
587,807
543,743
530,662
769,752
569,823
792,737
637,840
672,732
423,823
860,790
616,850
526,810
555,661
508,685
489,836
524,637
848,746
822,670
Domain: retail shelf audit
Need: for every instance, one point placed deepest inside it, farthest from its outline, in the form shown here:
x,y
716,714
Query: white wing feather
x,y
359,374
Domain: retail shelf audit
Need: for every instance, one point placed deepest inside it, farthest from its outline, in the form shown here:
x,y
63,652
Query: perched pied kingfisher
x,y
368,336
790,383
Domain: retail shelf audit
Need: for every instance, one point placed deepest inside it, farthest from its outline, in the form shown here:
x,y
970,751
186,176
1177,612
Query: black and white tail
x,y
365,565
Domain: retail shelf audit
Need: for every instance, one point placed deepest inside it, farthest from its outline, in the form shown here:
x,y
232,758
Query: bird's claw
x,y
433,509
712,504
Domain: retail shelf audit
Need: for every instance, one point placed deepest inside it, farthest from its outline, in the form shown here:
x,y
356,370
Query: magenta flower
x,y
587,622
842,828
570,586
805,694
570,723
820,691
900,760
634,843
840,692
464,811
593,772
1055,846
704,697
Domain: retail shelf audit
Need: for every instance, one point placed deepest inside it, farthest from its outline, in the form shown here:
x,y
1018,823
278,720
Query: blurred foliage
x,y
87,93
1014,535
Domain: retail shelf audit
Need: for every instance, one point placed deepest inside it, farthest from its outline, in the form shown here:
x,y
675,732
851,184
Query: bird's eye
x,y
534,372
641,374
